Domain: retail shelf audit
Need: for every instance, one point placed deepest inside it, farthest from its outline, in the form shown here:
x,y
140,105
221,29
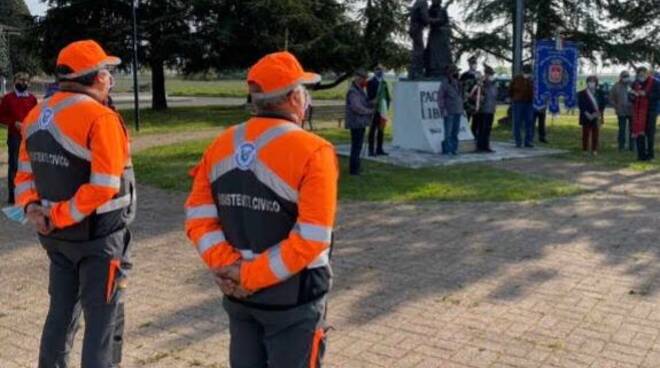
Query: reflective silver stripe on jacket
x,y
115,204
275,183
109,181
313,232
75,213
25,167
276,263
208,211
247,254
23,187
221,168
66,143
274,133
323,260
209,240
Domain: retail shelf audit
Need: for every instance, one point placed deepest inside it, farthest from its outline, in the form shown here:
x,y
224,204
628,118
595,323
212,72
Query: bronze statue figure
x,y
429,60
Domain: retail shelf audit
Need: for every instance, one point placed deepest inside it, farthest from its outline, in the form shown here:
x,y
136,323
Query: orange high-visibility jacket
x,y
266,192
74,158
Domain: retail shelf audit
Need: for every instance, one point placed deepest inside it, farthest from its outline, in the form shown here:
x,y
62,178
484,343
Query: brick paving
x,y
569,282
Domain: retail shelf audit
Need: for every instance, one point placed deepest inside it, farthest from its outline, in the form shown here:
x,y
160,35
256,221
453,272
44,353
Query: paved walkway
x,y
418,159
570,282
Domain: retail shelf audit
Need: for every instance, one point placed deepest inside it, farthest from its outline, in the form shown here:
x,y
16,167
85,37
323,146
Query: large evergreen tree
x,y
588,22
16,51
166,36
385,24
238,32
638,32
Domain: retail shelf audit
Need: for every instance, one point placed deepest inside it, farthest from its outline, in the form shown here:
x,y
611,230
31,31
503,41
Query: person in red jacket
x,y
14,107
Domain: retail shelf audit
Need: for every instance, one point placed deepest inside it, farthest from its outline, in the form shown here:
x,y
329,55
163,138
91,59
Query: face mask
x,y
21,87
15,214
473,67
591,85
379,75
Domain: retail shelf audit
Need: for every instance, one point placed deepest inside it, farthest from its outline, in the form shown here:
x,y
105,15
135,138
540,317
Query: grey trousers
x,y
293,338
90,278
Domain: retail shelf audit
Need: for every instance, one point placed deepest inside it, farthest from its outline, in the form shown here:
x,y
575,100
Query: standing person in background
x,y
540,116
620,99
450,104
485,93
646,92
469,80
359,115
379,95
522,96
590,116
14,107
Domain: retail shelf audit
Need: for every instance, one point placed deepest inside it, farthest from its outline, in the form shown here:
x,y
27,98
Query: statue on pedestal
x,y
429,59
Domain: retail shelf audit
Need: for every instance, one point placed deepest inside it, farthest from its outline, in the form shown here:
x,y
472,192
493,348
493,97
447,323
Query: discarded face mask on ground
x,y
15,214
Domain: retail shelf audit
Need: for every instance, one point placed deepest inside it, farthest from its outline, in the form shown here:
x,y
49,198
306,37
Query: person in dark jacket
x,y
540,117
451,106
646,92
379,96
622,103
14,107
469,80
485,96
359,115
590,116
522,96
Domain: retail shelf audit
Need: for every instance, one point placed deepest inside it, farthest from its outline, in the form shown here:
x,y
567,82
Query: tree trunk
x,y
158,95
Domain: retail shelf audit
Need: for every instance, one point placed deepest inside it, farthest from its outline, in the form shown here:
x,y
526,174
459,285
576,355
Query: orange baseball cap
x,y
84,57
278,74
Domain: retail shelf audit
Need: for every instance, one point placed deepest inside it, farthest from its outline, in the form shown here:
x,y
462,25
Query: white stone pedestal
x,y
417,122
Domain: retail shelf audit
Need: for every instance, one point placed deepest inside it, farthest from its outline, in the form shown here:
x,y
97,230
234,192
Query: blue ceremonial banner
x,y
555,74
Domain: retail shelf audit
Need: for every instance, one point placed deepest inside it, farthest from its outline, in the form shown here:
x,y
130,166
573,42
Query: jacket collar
x,y
22,94
79,88
277,115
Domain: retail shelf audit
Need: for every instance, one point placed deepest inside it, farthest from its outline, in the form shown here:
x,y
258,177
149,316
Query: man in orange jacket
x,y
261,215
77,187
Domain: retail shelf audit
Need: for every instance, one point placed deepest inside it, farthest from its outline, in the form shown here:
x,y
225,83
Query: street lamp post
x,y
136,94
518,37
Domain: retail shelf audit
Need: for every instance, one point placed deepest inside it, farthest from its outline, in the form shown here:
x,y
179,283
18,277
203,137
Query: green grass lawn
x,y
165,167
565,133
236,88
181,119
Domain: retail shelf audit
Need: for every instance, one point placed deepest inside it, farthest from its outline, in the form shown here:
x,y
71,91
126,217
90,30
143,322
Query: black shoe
x,y
488,150
543,141
529,146
382,153
371,154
